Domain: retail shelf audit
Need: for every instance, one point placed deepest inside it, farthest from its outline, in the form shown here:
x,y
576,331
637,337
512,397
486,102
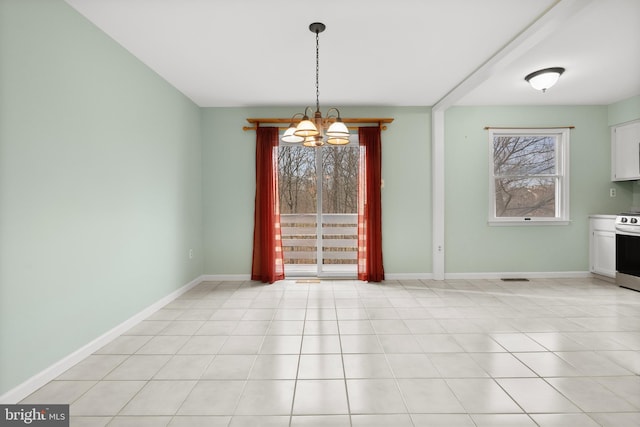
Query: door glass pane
x,y
297,182
340,209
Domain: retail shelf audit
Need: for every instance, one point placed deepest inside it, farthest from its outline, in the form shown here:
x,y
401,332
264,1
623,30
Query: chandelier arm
x,y
329,111
305,111
293,118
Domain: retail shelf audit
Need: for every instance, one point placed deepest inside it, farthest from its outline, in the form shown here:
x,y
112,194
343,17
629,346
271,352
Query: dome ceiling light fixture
x,y
545,78
311,131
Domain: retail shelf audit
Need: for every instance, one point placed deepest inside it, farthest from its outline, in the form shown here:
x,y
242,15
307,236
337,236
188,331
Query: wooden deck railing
x,y
339,238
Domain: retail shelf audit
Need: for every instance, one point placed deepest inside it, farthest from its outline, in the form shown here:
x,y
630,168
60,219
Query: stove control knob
x,y
634,220
623,220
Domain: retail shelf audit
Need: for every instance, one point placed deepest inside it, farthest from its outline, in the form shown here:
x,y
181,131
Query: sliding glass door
x,y
318,208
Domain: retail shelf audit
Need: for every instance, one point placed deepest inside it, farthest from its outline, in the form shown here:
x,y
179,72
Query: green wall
x,y
472,246
100,186
229,187
624,111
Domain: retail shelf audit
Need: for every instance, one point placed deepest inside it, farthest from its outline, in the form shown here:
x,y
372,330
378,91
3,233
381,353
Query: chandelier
x,y
311,131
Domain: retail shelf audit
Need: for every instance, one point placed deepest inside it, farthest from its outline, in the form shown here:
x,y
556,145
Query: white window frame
x,y
562,178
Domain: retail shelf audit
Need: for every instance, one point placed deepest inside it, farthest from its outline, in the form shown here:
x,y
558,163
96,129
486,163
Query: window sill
x,y
522,222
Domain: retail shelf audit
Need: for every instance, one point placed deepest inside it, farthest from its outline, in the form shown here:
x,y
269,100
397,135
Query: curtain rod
x,y
246,128
371,121
530,127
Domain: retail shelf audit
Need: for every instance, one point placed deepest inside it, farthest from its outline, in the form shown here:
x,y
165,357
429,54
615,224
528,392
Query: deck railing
x,y
339,238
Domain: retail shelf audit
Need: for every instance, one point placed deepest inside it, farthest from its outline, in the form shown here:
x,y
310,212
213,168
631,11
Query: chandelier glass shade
x,y
315,130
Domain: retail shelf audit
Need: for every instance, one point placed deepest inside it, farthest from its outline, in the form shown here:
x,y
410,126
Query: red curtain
x,y
370,206
268,263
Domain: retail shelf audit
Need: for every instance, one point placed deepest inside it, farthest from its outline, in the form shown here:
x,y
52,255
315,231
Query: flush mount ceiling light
x,y
544,79
311,131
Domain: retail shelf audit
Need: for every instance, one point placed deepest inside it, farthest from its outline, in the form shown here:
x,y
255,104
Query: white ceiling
x,y
223,53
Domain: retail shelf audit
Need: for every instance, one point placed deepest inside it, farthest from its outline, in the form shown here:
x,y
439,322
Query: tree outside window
x,y
529,176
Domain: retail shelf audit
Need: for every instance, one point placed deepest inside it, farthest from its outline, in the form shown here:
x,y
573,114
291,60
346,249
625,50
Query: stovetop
x,y
628,222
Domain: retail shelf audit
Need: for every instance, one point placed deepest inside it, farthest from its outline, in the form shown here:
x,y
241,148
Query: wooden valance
x,y
380,121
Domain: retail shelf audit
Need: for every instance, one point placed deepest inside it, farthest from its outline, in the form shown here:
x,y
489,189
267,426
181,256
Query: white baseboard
x,y
408,276
225,277
519,274
490,275
35,382
429,276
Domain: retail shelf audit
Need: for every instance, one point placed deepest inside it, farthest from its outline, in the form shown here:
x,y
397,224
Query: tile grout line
x,y
344,370
395,379
167,362
295,383
205,369
258,353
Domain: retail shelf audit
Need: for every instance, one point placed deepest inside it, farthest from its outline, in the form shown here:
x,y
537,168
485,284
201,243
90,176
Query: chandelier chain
x,y
315,131
317,71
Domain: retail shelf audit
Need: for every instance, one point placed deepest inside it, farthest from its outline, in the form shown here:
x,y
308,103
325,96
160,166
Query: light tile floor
x,y
563,352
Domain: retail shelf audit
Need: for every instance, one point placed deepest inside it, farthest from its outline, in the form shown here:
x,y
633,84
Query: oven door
x,y
628,260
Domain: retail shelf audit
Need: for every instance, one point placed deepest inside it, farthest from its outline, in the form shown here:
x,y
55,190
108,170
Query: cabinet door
x,y
625,150
604,253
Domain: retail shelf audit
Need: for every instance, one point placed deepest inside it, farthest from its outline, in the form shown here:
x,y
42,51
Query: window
x,y
529,178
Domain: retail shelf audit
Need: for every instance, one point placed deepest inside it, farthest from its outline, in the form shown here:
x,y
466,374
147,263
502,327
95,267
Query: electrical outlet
x,y
612,192
190,253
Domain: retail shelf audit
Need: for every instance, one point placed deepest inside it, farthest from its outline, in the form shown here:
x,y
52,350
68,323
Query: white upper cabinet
x,y
625,151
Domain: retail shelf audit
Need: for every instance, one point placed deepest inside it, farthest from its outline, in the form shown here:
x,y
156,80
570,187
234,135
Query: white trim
x,y
21,391
509,222
225,277
408,276
437,193
525,275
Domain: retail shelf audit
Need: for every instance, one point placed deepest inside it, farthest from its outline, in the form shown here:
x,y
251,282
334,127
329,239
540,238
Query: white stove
x,y
628,223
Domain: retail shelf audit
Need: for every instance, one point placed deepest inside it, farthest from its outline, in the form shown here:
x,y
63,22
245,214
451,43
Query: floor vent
x,y
514,279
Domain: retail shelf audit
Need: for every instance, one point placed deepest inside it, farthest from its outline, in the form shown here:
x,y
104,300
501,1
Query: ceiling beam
x,y
546,24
